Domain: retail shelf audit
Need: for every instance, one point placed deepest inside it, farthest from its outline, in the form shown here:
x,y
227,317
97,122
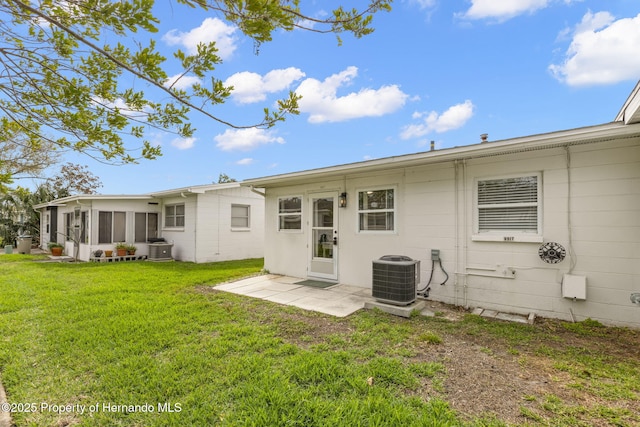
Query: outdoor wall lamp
x,y
343,200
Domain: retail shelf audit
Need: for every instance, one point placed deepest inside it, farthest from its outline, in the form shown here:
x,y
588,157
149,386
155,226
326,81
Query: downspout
x,y
464,232
456,220
195,226
218,226
253,190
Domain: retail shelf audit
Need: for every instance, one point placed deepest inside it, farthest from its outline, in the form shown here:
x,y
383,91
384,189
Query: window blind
x,y
508,204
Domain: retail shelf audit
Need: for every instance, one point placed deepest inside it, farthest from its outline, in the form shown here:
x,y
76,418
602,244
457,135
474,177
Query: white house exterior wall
x,y
93,207
435,210
182,238
286,251
207,235
216,240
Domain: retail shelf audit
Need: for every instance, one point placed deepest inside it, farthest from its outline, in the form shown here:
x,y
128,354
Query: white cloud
x,y
423,4
246,139
321,101
603,51
502,10
123,107
181,82
183,143
454,118
251,87
244,162
211,30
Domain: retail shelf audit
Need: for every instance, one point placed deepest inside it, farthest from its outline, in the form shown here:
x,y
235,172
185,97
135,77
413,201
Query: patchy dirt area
x,y
487,375
525,374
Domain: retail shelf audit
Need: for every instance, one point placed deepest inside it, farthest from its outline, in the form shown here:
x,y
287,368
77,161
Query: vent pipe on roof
x,y
484,137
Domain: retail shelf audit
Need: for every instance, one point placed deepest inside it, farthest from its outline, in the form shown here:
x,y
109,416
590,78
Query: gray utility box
x,y
395,279
160,251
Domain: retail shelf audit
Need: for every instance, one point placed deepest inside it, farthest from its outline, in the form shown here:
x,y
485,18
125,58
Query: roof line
x,y
560,138
632,101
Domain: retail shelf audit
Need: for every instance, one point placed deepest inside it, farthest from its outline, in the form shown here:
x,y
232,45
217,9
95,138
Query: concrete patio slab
x,y
338,300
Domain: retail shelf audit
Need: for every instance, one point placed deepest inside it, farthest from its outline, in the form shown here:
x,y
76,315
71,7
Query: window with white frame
x,y
509,205
290,213
146,226
174,215
112,227
76,226
376,210
240,217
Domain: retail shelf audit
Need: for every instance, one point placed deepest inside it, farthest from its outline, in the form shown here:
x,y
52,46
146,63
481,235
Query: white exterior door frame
x,y
323,236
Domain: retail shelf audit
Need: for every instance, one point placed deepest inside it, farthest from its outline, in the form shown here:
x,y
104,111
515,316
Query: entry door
x,y
324,237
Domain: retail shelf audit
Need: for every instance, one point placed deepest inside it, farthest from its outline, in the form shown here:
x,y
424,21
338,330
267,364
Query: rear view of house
x,y
548,223
205,223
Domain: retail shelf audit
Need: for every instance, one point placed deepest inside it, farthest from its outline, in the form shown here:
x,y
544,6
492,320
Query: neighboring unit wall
x,y
89,210
183,237
207,234
217,239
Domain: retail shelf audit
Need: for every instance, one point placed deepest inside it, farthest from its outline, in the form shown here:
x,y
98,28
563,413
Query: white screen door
x,y
323,247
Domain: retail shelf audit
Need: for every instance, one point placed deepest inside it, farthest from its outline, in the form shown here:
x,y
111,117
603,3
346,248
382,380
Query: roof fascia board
x,y
63,201
535,142
630,111
195,189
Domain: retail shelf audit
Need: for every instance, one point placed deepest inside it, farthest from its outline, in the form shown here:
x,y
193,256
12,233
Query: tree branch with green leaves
x,y
74,74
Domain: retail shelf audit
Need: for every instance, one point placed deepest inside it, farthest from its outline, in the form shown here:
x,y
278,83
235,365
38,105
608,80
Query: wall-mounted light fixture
x,y
343,200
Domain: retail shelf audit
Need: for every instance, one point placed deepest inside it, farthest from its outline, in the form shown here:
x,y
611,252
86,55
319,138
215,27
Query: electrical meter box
x,y
574,287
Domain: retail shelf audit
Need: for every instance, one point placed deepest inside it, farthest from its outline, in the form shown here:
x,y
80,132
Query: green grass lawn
x,y
150,344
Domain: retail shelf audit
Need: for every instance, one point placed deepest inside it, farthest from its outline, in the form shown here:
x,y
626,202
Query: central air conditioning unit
x,y
395,279
159,250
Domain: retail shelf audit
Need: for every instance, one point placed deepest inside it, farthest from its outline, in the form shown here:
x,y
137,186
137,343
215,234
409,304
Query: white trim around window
x,y
377,210
174,216
290,214
508,208
240,217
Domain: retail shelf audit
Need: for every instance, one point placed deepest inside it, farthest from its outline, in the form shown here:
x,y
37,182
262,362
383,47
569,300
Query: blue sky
x,y
441,70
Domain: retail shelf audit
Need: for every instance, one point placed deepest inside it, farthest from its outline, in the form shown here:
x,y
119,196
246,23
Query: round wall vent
x,y
552,252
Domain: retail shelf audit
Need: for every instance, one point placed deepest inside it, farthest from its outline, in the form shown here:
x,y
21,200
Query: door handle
x,y
335,240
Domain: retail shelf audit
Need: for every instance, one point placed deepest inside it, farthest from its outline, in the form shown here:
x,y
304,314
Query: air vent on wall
x,y
552,252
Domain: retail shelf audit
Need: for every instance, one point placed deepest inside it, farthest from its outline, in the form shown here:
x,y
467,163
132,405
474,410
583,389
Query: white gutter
x,y
90,197
196,189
